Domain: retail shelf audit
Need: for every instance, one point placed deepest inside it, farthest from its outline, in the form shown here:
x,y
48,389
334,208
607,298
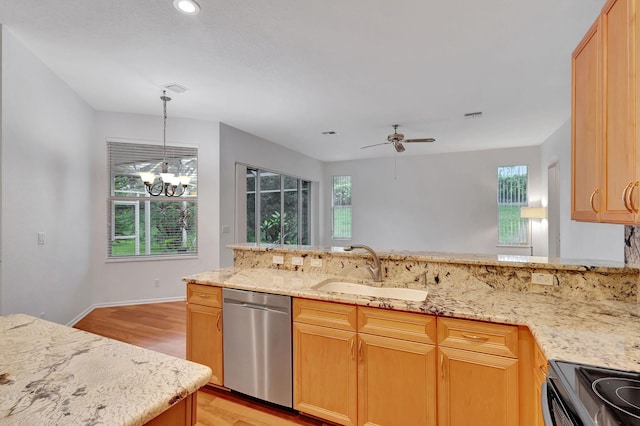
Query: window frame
x,y
342,206
525,203
113,200
257,205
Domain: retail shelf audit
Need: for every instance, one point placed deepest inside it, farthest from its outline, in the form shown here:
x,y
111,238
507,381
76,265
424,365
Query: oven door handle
x,y
546,410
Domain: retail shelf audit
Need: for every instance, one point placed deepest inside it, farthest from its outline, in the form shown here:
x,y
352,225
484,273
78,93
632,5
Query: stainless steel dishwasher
x,y
257,345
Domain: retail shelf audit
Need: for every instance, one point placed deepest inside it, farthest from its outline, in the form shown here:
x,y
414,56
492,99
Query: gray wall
x,y
442,202
237,146
46,187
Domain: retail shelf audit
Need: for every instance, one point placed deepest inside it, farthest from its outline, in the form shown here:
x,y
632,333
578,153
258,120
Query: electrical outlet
x,y
541,278
41,238
278,260
296,260
156,282
316,263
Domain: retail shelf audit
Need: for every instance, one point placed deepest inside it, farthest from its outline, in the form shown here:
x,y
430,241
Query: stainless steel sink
x,y
346,287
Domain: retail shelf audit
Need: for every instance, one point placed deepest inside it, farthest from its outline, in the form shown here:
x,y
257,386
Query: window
x,y
278,208
512,195
140,225
341,207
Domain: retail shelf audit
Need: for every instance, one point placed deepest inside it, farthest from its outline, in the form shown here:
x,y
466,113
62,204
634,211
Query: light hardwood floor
x,y
162,327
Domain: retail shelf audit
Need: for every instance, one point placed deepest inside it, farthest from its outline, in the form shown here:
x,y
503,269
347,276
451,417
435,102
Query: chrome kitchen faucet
x,y
374,268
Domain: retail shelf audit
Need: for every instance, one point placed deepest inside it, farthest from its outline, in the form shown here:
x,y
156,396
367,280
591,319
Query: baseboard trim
x,y
122,303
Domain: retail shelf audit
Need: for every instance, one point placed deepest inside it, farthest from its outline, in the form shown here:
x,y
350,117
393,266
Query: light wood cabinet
x,y
540,369
324,360
476,386
396,368
378,369
204,328
586,123
605,139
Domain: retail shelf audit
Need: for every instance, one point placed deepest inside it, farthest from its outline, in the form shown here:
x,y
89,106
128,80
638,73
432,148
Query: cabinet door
x,y
396,382
204,339
476,388
325,373
586,131
619,143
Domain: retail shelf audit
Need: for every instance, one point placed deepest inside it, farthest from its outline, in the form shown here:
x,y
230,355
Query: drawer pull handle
x,y
442,365
204,296
474,337
353,354
360,350
218,322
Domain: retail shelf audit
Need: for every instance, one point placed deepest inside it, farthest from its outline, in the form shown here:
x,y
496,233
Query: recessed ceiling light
x,y
188,7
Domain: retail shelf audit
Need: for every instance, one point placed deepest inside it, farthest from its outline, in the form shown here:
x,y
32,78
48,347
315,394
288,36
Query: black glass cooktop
x,y
599,396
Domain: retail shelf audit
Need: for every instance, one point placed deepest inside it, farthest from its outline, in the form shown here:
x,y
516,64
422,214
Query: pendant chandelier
x,y
167,184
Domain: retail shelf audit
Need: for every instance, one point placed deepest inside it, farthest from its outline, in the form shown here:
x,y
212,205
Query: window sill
x,y
150,258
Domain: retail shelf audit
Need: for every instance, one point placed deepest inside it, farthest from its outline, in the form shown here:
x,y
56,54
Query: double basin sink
x,y
345,287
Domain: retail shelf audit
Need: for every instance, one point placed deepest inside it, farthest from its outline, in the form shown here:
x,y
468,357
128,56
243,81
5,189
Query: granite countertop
x,y
538,262
602,332
56,375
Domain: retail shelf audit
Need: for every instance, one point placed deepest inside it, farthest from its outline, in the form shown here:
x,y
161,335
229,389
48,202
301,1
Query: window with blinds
x,y
512,196
140,225
341,207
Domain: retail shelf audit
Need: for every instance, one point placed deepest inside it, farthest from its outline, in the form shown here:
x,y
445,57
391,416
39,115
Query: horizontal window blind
x,y
140,225
512,196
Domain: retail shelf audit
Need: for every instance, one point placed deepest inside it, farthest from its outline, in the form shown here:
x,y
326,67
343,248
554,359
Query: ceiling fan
x,y
397,139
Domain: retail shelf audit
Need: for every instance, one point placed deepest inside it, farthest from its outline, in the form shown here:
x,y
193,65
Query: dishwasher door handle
x,y
255,306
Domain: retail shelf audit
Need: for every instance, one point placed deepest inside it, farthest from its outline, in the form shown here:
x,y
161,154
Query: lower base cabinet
x,y
325,373
477,388
382,374
204,329
396,382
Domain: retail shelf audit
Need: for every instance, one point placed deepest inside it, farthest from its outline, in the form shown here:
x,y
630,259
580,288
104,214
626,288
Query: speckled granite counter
x,y
55,375
599,332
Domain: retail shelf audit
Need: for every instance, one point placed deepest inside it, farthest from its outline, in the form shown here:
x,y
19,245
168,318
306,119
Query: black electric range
x,y
585,395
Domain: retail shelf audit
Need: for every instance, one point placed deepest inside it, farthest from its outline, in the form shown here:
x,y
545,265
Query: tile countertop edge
x,y
75,376
590,332
518,261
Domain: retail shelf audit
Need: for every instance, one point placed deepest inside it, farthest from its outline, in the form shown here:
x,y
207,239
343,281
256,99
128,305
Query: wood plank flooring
x,y
162,327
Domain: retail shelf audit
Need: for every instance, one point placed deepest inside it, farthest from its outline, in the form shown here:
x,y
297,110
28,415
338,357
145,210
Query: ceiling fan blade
x,y
398,146
375,144
420,140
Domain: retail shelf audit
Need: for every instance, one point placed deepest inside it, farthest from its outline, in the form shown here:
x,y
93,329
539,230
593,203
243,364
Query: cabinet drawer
x,y
478,336
399,325
327,314
204,295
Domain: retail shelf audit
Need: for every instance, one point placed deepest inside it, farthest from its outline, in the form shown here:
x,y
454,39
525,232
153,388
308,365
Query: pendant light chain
x,y
168,184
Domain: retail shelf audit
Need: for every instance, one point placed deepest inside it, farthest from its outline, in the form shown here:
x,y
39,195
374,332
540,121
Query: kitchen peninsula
x,y
483,317
55,375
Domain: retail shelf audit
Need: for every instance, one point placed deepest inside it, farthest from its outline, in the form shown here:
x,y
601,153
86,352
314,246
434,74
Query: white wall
x,y
237,146
578,240
119,282
46,130
443,202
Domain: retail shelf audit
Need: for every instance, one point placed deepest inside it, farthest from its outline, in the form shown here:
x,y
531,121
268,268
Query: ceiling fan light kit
x,y
396,139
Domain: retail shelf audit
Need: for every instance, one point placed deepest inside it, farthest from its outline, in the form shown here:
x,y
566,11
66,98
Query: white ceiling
x,y
286,70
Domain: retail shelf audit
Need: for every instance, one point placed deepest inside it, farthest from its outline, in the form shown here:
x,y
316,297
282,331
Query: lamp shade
x,y
533,212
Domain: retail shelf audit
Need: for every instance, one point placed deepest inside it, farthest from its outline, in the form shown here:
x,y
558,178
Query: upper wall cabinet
x,y
605,183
